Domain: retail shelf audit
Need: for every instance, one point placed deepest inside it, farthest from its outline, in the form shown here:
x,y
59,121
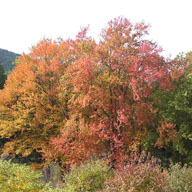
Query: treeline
x,y
3,77
7,60
7,64
71,100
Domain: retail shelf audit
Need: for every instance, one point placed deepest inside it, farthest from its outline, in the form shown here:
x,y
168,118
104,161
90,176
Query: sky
x,y
25,22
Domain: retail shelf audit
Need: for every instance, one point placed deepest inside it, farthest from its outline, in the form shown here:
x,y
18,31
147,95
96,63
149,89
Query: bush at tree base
x,y
20,178
87,177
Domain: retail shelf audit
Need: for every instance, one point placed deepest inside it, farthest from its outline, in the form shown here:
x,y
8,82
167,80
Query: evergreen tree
x,y
3,77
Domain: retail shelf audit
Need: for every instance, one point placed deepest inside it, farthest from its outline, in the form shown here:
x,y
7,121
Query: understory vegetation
x,y
141,174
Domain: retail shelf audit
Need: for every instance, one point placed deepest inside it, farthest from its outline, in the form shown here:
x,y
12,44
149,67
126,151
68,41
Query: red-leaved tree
x,y
108,90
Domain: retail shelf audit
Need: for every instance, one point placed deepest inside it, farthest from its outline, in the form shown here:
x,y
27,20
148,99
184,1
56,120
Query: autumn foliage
x,y
110,88
30,111
75,99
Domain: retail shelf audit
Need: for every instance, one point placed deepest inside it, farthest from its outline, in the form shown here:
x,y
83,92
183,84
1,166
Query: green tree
x,y
3,77
175,106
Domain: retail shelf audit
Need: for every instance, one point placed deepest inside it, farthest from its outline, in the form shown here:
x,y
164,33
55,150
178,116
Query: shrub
x,y
179,178
141,174
87,177
19,178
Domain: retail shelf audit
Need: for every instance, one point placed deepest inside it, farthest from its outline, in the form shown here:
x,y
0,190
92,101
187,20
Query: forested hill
x,y
6,59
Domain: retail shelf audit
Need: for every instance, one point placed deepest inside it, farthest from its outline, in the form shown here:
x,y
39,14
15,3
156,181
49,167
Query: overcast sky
x,y
25,22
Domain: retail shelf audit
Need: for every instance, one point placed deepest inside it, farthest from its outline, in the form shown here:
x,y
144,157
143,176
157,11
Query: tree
x,y
31,111
3,77
29,108
175,106
110,108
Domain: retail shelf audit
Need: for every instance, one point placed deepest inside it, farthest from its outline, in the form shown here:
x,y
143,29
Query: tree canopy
x,y
3,77
75,99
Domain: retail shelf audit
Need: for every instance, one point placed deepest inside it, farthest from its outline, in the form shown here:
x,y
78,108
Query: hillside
x,y
6,59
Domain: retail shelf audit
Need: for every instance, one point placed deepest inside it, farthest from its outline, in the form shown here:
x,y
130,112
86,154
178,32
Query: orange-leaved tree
x,y
30,111
110,87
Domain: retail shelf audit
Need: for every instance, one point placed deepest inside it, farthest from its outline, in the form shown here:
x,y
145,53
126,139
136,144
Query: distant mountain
x,y
6,59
